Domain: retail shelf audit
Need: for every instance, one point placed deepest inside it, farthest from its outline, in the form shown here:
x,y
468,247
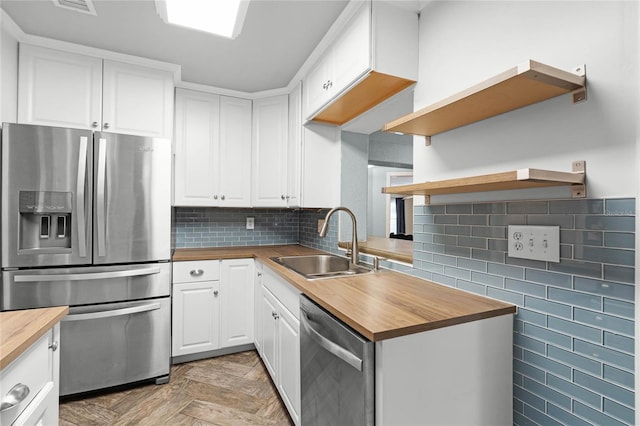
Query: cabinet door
x,y
57,88
270,142
236,302
289,362
257,300
197,144
351,53
315,85
294,150
268,312
234,160
137,100
195,318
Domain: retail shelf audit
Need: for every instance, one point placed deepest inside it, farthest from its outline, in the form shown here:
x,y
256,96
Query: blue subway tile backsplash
x,y
576,318
222,227
574,344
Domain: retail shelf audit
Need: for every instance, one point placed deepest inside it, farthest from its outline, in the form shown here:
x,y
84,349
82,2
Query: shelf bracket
x,y
427,200
578,190
580,95
427,141
578,166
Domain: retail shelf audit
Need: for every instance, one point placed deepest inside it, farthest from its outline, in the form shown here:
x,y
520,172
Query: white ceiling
x,y
277,37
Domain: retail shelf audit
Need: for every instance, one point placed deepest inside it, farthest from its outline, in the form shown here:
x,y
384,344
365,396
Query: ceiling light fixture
x,y
220,17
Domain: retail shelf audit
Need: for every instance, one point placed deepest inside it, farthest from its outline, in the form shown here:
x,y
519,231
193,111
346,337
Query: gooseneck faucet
x,y
354,238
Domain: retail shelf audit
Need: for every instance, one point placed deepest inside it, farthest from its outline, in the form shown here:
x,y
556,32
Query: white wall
x,y
463,43
8,71
388,149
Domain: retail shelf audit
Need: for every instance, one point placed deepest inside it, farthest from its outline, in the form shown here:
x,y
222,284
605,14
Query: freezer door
x,y
112,344
132,203
46,196
40,288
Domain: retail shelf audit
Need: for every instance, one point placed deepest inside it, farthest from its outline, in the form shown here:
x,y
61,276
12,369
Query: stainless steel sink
x,y
318,266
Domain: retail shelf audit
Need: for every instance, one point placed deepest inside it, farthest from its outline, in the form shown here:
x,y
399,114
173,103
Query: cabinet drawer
x,y
201,270
286,294
33,369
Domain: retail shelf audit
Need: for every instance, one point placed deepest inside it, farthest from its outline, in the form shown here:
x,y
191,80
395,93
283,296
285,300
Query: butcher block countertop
x,y
20,329
380,305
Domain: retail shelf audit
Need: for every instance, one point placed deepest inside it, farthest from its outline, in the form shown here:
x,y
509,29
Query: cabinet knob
x,y
94,124
106,125
222,197
196,272
288,197
330,83
215,293
283,197
16,395
54,346
259,274
215,197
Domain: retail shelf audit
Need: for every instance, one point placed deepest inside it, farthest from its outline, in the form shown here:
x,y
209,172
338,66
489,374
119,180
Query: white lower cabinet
x,y
196,307
212,305
236,307
38,368
280,338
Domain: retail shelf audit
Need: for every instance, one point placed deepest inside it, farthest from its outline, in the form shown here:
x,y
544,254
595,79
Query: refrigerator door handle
x,y
86,276
112,313
100,196
80,197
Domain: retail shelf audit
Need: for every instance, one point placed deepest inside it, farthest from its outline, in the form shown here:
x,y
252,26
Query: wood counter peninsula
x,y
379,305
442,355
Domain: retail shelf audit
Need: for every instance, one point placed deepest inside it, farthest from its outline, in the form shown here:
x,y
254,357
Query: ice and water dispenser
x,y
45,221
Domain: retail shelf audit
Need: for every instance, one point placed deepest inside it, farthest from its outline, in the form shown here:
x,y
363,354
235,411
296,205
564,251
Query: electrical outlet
x,y
250,223
534,242
320,223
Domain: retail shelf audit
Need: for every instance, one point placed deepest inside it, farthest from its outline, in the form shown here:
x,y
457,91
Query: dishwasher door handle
x,y
330,346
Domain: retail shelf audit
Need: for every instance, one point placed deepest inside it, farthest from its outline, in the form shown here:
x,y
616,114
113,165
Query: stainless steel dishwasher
x,y
337,370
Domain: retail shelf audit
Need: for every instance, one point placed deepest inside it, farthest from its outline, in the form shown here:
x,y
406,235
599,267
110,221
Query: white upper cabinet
x,y
234,161
344,62
270,144
373,58
212,150
137,100
294,150
197,143
58,88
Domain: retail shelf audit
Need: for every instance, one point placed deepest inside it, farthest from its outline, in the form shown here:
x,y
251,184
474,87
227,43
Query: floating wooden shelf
x,y
516,179
517,87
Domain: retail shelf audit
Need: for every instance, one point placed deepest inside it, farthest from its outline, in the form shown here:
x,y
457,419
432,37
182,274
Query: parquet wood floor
x,y
228,390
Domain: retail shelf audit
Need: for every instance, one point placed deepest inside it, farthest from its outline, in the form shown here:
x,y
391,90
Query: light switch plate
x,y
250,223
534,242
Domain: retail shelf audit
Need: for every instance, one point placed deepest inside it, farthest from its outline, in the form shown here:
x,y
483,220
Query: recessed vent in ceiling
x,y
84,6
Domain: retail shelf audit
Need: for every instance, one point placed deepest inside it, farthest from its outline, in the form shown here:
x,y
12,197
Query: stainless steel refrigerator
x,y
86,222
